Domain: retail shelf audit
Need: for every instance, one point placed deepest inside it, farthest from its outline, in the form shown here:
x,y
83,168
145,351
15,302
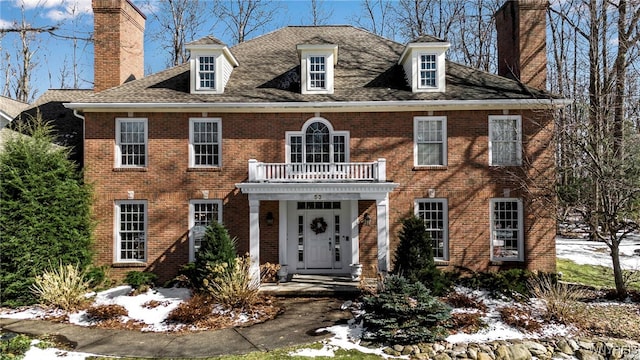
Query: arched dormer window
x,y
317,143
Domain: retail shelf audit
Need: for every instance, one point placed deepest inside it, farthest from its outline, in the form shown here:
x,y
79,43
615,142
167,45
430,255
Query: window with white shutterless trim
x,y
131,142
131,230
505,140
205,142
435,214
507,229
317,143
430,141
201,214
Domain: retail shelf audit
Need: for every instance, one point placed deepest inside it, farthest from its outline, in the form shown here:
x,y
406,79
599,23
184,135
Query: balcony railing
x,y
317,172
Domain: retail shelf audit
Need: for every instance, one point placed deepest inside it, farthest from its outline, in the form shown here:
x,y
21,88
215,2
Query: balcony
x,y
317,172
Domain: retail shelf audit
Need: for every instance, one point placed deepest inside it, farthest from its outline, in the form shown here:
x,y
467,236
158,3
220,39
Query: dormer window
x,y
424,64
211,65
317,64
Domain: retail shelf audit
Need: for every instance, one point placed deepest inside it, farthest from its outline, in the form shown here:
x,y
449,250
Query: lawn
x,y
598,276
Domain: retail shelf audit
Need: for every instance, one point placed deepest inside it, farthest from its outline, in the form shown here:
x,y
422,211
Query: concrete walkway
x,y
297,325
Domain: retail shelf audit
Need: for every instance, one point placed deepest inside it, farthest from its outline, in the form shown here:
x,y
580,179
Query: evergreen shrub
x,y
404,312
217,248
140,279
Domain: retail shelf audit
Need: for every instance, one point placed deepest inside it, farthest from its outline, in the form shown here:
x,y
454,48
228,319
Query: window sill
x,y
430,167
130,169
204,169
504,262
441,262
129,265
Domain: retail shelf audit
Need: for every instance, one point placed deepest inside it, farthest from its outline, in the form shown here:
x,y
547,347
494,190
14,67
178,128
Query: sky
x,y
75,18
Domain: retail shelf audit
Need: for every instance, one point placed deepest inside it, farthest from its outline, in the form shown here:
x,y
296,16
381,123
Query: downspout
x,y
81,117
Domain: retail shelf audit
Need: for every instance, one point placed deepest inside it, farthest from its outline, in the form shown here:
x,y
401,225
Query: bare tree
x,y
178,21
319,14
375,17
427,17
245,17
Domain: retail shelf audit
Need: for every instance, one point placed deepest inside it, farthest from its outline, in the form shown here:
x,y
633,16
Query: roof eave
x,y
326,106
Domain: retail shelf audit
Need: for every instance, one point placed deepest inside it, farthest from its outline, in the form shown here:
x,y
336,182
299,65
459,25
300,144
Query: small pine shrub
x,y
217,247
519,318
15,347
64,287
106,312
414,257
138,279
404,313
233,287
197,308
560,299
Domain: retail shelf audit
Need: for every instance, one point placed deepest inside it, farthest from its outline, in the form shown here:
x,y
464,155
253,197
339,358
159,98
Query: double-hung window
x,y
317,72
505,140
428,71
317,143
131,142
430,140
507,238
201,214
434,213
205,138
206,73
131,231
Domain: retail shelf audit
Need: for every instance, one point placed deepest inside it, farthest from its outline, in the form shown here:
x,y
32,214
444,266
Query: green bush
x,y
511,283
138,279
64,287
44,212
98,277
233,287
14,347
414,257
217,247
404,313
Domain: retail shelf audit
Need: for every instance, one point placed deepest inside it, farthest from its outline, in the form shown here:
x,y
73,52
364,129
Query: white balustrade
x,y
317,172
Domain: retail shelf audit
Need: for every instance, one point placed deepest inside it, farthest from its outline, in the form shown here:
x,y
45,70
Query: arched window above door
x,y
317,143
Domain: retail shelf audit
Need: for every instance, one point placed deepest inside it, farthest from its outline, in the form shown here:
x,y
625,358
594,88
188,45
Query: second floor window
x,y
204,142
206,72
317,72
131,142
318,143
428,71
505,140
430,141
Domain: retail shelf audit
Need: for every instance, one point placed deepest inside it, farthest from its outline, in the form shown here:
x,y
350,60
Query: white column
x,y
282,232
355,232
254,237
382,207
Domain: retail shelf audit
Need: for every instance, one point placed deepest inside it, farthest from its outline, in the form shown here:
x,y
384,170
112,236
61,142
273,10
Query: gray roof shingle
x,y
269,71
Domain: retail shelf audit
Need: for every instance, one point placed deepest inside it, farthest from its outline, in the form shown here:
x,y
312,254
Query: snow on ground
x,y
597,253
345,336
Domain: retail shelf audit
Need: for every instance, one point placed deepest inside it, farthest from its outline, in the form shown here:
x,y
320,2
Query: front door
x,y
319,239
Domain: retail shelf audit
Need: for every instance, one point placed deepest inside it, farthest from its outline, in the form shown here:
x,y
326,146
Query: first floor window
x,y
131,222
507,238
430,140
131,142
201,214
434,213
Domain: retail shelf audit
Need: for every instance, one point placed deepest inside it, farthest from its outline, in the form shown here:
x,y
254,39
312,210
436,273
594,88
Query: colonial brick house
x,y
312,144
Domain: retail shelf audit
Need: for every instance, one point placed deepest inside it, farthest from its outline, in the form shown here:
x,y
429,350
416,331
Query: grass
x,y
592,275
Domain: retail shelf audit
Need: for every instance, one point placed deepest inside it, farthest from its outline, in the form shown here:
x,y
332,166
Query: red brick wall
x,y
118,43
467,182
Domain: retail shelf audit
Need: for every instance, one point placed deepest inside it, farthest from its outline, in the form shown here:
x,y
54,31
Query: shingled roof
x,y
269,72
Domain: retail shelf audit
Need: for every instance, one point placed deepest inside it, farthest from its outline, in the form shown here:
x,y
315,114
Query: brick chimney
x,y
522,44
118,43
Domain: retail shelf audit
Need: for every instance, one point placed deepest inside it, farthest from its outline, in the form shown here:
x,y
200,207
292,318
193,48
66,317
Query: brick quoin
x,y
167,183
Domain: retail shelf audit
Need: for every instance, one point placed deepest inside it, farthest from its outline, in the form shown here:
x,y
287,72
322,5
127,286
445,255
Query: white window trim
x,y
195,72
116,231
192,253
118,152
445,219
192,158
519,150
198,59
445,151
520,229
419,72
330,53
332,133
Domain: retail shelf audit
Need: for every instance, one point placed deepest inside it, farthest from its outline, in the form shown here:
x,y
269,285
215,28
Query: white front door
x,y
319,239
